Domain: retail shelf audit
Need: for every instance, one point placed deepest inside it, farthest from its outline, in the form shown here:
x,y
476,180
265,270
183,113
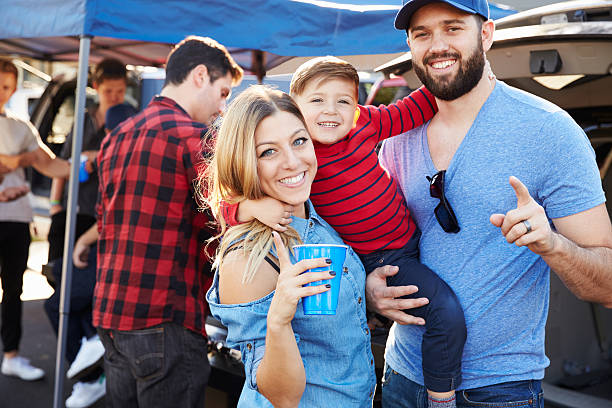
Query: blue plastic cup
x,y
83,174
324,303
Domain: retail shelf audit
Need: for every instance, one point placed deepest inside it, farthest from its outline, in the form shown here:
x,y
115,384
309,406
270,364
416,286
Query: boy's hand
x,y
269,211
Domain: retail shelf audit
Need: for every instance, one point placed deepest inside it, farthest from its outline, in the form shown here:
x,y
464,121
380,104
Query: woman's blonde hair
x,y
231,176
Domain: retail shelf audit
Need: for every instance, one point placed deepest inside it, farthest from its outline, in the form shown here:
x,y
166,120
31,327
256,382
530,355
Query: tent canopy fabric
x,y
140,32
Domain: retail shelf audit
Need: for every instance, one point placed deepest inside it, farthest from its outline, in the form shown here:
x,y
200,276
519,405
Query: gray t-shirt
x,y
16,136
503,288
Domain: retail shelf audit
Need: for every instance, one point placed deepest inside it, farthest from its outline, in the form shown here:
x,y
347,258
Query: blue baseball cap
x,y
402,19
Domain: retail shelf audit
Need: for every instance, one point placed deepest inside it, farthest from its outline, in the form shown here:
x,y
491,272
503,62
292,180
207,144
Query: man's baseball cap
x,y
402,19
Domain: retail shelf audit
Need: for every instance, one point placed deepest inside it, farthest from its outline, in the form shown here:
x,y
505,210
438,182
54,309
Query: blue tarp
x,y
282,27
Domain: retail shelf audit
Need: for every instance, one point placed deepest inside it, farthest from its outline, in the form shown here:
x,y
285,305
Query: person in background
x,y
114,116
84,350
152,274
20,146
517,178
109,79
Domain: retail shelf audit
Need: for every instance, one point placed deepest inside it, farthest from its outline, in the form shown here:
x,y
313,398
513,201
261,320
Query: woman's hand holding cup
x,y
290,285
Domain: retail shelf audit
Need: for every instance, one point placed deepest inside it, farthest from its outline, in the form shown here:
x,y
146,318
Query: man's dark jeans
x,y
445,331
161,366
400,392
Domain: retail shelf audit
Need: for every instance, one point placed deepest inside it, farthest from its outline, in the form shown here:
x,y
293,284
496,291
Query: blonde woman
x,y
290,359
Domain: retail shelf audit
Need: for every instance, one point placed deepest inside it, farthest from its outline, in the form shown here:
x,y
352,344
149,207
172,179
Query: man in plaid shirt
x,y
152,273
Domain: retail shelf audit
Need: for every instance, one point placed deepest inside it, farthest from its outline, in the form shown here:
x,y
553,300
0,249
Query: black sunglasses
x,y
444,212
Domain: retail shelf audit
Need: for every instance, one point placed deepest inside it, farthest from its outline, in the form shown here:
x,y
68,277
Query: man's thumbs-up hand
x,y
527,224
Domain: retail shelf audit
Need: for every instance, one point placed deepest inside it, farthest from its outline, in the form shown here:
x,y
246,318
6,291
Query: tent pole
x,y
73,191
258,64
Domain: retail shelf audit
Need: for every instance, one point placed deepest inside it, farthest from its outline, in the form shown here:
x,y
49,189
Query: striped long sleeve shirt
x,y
353,192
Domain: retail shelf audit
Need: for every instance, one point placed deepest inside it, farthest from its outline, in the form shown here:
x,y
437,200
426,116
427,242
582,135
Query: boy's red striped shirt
x,y
353,192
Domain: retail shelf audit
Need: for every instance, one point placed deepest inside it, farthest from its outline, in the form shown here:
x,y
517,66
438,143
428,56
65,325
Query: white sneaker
x,y
90,355
20,367
85,394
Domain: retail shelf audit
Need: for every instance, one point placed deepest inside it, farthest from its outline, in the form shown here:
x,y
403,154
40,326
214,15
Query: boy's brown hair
x,y
109,68
323,68
8,67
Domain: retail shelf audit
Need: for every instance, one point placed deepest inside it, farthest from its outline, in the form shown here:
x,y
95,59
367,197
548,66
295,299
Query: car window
x,y
364,90
31,105
64,119
62,123
390,94
384,96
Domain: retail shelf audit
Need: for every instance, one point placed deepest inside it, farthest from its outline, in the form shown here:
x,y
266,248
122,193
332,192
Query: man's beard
x,y
468,76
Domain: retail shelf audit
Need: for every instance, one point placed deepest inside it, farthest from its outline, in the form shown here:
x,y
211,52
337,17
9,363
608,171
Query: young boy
x,y
358,198
20,146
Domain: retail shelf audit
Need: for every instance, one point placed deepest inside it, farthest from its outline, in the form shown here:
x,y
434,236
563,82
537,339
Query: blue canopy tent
x,y
140,32
260,35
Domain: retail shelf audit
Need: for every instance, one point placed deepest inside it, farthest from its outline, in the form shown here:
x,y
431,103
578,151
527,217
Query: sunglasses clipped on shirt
x,y
444,212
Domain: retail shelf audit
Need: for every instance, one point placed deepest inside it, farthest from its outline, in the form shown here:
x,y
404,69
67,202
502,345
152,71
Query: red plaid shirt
x,y
151,263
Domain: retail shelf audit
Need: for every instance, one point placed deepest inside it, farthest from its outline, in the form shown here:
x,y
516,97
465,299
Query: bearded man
x,y
514,180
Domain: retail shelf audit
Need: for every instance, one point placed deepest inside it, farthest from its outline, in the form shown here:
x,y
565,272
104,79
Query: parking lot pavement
x,y
39,344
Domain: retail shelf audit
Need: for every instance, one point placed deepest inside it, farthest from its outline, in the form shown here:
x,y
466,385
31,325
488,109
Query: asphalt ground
x,y
39,344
